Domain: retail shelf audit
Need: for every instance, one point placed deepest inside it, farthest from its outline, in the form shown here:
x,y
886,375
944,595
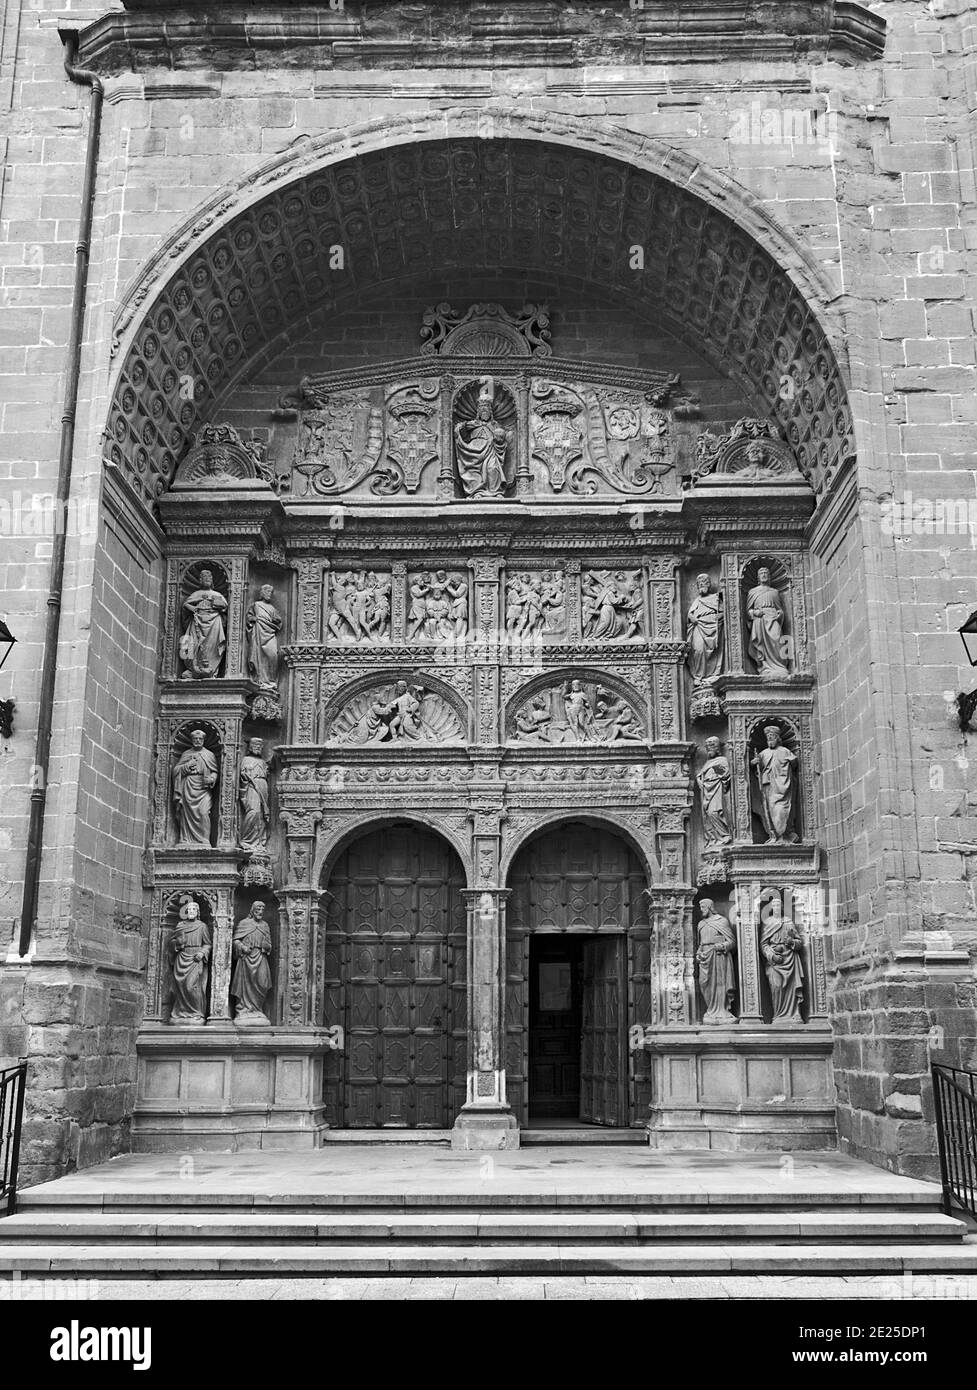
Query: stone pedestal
x,y
227,1088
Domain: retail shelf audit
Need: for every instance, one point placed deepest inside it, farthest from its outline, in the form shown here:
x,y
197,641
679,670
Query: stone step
x,y
278,1261
549,1138
64,1197
442,1228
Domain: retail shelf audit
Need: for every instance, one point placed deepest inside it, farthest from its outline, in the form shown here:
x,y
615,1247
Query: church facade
x,y
514,495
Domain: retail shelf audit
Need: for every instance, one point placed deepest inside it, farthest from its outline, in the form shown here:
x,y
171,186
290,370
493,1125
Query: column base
x,y
480,1130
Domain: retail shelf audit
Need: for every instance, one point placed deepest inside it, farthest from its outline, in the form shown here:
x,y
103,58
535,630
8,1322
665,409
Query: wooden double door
x,y
394,972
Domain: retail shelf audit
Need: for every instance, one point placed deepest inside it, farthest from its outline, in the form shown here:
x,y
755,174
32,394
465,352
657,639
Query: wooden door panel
x,y
603,1064
394,969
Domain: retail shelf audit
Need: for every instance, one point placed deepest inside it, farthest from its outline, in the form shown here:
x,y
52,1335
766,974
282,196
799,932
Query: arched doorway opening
x,y
578,965
394,973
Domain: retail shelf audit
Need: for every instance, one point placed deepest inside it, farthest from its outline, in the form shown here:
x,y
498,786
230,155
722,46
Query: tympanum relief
x,y
403,712
576,711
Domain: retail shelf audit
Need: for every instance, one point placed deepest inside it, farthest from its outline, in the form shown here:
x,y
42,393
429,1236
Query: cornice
x,y
436,34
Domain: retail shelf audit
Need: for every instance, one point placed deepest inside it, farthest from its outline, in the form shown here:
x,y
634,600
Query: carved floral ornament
x,y
751,453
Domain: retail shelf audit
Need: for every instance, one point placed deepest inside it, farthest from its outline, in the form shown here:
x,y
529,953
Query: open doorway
x,y
577,1006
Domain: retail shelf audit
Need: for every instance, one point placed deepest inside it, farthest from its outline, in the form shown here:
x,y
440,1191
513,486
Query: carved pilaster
x,y
220,959
523,472
571,589
674,955
672,828
398,602
298,908
446,476
733,605
237,571
311,572
227,836
746,902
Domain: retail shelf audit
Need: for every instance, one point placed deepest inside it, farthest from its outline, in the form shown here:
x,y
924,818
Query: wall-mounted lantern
x,y
967,703
7,707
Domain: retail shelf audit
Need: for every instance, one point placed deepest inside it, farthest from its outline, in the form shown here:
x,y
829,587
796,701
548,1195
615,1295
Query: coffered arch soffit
x,y
424,198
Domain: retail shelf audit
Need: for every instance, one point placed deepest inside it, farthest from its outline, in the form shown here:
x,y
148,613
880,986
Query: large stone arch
x,y
457,190
336,838
606,818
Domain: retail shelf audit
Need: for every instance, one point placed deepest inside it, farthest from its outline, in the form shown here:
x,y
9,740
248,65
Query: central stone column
x,y
486,1121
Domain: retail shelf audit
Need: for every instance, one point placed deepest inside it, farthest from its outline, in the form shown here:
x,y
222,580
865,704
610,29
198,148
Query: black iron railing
x,y
955,1098
13,1084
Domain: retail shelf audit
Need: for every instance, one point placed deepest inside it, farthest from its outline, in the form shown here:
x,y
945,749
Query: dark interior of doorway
x,y
555,1025
577,1062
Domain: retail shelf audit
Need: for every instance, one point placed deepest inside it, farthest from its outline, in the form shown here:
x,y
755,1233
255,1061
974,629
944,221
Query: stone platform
x,y
563,1212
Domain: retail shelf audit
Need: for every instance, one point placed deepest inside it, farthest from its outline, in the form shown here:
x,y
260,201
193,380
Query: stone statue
x,y
714,781
253,797
705,623
251,979
716,958
579,712
481,446
262,624
775,773
610,605
190,949
194,780
765,612
204,639
780,945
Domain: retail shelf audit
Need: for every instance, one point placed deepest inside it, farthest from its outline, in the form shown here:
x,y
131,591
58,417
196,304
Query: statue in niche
x,y
705,624
534,605
482,447
438,610
251,979
716,958
262,624
204,639
766,615
194,780
254,799
780,946
610,605
775,769
714,781
359,607
190,947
